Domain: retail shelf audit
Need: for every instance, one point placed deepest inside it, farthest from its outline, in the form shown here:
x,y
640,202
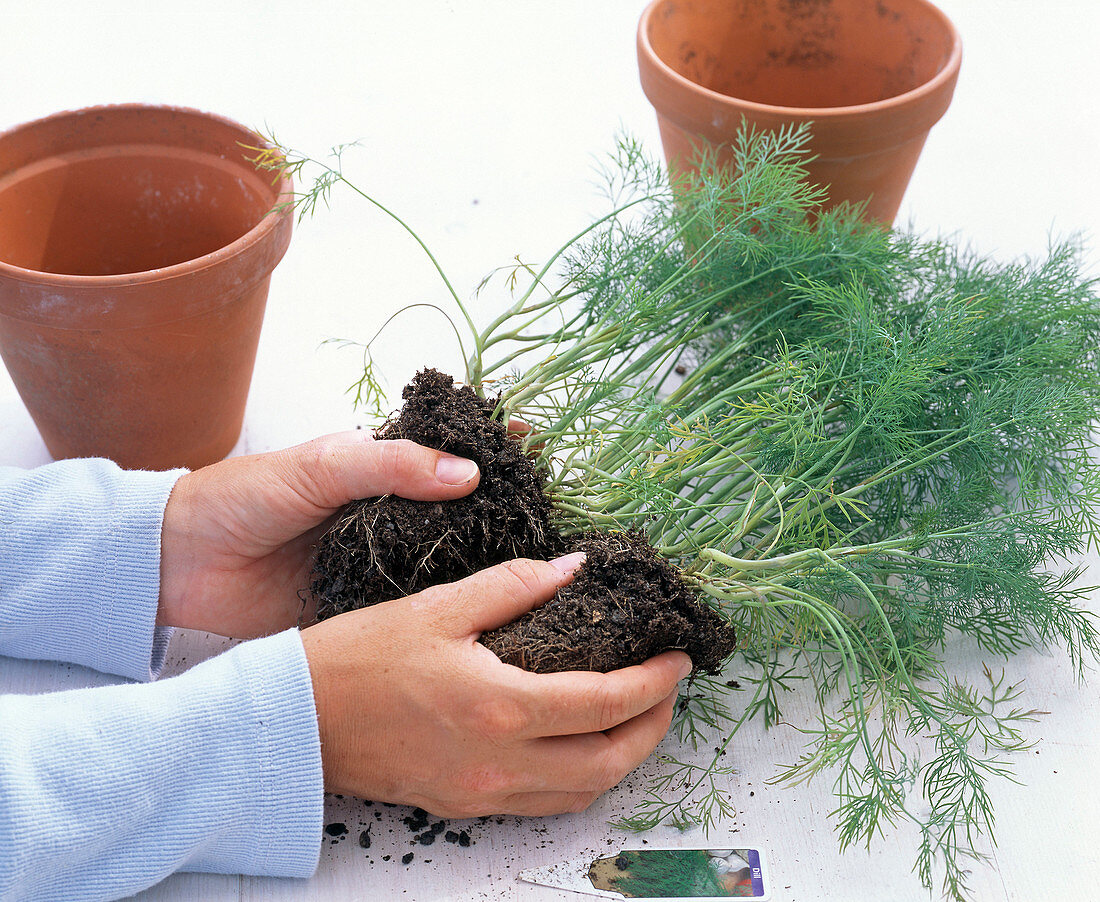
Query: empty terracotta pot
x,y
872,76
136,248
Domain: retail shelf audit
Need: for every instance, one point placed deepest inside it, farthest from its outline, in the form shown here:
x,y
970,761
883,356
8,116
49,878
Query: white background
x,y
481,123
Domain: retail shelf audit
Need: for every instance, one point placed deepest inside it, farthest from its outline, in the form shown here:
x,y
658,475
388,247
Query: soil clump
x,y
624,605
385,548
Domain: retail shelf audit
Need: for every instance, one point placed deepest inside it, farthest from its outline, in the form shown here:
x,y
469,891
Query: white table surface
x,y
481,123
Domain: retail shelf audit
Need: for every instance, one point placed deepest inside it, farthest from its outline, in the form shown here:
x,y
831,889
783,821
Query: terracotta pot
x,y
872,76
136,247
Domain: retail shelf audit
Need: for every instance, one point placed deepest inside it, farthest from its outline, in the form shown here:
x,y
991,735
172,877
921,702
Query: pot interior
x,y
126,208
803,53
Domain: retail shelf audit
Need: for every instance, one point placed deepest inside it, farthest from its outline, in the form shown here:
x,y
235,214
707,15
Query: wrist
x,y
313,647
176,553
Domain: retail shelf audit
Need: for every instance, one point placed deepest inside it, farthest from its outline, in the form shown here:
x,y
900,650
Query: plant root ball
x,y
384,548
625,605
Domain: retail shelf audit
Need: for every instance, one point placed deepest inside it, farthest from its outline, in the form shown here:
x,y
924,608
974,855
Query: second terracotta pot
x,y
136,247
871,77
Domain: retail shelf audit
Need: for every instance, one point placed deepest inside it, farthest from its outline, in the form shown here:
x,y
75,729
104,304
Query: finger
x,y
331,471
591,763
545,804
635,740
523,431
528,804
562,704
496,595
602,760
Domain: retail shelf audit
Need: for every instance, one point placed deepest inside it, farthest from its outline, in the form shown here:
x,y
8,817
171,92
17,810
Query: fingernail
x,y
453,470
569,563
685,668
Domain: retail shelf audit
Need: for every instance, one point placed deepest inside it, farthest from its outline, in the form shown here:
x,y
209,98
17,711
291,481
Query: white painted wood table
x,y
480,124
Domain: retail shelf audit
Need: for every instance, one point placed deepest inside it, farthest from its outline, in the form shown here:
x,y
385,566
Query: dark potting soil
x,y
624,605
385,548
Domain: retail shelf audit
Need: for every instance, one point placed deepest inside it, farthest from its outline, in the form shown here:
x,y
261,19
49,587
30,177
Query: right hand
x,y
413,710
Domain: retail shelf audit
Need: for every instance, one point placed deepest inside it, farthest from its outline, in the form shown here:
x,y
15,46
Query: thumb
x,y
333,470
497,595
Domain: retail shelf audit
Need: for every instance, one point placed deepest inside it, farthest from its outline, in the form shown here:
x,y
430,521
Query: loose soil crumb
x,y
625,604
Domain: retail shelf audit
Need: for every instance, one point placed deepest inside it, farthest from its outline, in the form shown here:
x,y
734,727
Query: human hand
x,y
413,710
238,536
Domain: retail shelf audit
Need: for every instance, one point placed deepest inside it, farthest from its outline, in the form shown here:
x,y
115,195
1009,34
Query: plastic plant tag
x,y
660,874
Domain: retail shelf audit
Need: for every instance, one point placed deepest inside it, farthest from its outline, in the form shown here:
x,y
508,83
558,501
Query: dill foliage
x,y
862,446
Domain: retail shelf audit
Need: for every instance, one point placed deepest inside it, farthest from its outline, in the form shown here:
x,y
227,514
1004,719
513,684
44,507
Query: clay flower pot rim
x,y
947,73
164,273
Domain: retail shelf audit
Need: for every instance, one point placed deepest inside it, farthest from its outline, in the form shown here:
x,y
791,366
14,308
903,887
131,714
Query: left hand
x,y
238,536
413,710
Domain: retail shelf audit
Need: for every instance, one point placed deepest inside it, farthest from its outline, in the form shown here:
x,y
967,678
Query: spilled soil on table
x,y
624,605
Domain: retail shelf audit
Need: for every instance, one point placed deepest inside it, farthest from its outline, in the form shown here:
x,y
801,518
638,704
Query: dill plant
x,y
862,446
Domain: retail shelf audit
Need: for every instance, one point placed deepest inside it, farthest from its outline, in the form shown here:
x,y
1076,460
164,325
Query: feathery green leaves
x,y
864,447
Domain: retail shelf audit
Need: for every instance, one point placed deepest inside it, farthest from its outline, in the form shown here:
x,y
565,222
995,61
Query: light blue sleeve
x,y
105,791
80,565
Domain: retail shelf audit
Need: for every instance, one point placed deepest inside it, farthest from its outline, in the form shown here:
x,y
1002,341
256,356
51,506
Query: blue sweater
x,y
106,791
